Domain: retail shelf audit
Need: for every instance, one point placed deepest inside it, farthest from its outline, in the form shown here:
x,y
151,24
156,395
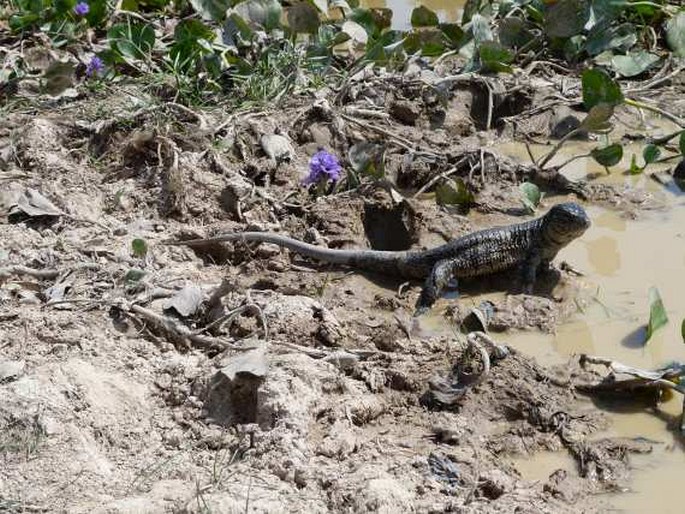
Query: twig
x,y
201,120
647,107
440,176
174,328
230,316
45,274
397,139
366,113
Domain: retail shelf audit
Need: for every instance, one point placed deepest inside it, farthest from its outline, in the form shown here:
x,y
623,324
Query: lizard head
x,y
565,222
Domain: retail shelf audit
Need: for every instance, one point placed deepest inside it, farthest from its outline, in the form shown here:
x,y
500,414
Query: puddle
x,y
621,260
538,467
448,11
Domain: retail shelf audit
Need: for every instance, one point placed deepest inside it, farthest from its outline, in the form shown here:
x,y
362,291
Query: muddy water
x,y
447,10
621,260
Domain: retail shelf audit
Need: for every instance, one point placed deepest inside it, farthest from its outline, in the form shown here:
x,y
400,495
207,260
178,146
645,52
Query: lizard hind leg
x,y
435,284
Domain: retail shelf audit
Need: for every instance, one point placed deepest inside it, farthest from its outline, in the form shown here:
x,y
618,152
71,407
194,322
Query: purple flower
x,y
95,67
323,167
81,9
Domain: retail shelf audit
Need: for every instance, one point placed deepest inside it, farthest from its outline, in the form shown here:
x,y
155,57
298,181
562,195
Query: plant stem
x,y
574,158
558,146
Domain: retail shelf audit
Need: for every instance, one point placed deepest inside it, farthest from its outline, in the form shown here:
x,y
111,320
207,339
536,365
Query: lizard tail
x,y
368,260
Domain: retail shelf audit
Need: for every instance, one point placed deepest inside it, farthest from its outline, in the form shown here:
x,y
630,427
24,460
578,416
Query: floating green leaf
x,y
139,247
599,87
566,18
634,168
609,155
651,153
453,192
423,17
675,34
657,313
530,196
682,330
633,63
598,119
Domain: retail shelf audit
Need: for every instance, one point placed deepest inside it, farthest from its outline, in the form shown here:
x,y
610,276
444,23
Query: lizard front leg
x,y
435,284
529,271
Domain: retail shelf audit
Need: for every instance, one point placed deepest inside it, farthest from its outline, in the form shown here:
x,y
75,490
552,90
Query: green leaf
x,y
651,153
374,21
657,313
634,168
682,330
530,196
454,34
98,13
566,18
681,143
494,57
609,155
607,11
214,10
514,32
18,22
193,30
634,63
235,32
133,41
453,192
303,18
423,17
598,119
605,37
139,247
599,87
430,42
470,8
675,34
265,13
134,275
